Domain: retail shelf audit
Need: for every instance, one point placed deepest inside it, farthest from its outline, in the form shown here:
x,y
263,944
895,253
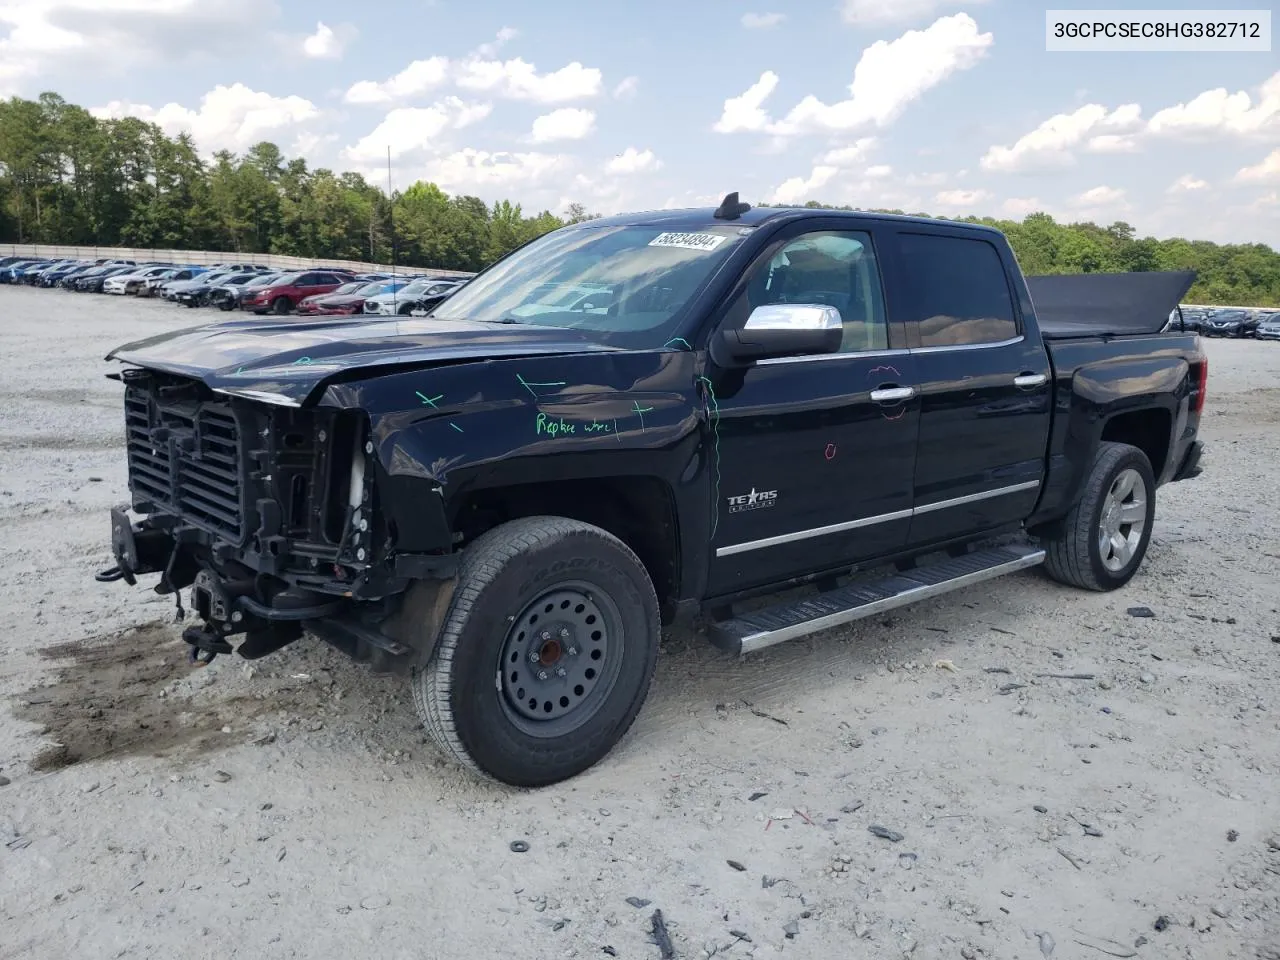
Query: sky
x,y
944,107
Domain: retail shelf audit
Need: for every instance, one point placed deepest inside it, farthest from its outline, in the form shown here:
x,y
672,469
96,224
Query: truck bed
x,y
1070,306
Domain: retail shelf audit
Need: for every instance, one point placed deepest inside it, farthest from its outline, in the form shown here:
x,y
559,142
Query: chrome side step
x,y
786,621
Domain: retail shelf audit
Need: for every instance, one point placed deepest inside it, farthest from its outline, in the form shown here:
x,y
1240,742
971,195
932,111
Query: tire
x,y
280,305
466,694
403,309
1075,555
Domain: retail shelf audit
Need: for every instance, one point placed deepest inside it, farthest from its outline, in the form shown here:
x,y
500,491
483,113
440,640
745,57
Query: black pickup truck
x,y
632,421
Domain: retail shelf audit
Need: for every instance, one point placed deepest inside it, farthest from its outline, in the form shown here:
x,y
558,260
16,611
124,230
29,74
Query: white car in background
x,y
130,282
400,301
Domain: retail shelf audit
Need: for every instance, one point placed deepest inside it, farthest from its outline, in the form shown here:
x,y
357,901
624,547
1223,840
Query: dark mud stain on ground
x,y
104,700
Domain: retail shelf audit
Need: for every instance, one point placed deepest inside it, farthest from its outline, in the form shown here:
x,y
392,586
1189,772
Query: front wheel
x,y
280,305
1102,541
546,653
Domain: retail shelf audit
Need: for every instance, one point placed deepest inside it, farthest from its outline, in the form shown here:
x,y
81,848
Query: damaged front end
x,y
268,513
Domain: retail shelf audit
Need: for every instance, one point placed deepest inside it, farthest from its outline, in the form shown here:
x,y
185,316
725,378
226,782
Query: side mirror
x,y
785,330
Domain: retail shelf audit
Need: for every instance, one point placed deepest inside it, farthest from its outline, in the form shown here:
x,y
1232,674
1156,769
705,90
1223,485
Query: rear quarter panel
x,y
1096,381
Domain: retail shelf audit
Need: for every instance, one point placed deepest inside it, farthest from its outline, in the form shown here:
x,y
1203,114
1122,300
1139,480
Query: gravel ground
x,y
291,808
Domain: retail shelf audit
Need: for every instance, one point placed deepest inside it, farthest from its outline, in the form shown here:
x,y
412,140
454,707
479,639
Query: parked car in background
x,y
92,283
228,296
172,289
288,289
1268,326
32,275
130,281
425,302
1227,323
196,292
399,302
153,286
72,280
348,298
54,276
14,271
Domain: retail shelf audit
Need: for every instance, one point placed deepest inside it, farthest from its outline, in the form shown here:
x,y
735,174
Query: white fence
x,y
203,257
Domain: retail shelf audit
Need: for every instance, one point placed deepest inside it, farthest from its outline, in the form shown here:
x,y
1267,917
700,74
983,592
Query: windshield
x,y
287,279
628,283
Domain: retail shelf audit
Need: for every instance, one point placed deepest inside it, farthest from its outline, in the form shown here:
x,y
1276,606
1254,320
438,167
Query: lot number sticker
x,y
688,241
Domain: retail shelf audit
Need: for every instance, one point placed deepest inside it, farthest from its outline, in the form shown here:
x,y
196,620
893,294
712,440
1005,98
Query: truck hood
x,y
287,362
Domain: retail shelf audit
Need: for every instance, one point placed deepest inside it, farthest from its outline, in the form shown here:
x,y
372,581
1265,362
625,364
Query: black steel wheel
x,y
546,653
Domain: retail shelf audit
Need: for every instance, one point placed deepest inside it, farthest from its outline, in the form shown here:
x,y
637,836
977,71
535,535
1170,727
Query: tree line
x,y
68,177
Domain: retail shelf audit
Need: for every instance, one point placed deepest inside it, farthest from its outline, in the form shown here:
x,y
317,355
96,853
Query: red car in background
x,y
348,298
291,288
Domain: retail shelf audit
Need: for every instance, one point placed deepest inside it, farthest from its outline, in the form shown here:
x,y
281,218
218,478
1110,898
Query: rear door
x,y
985,390
813,454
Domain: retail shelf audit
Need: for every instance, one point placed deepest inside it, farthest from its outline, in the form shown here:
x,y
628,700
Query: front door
x,y
985,390
814,455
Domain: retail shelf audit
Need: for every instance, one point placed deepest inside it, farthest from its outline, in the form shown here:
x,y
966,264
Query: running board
x,y
786,621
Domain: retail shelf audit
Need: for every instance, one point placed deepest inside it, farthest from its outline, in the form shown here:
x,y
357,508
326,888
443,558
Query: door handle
x,y
892,394
1026,380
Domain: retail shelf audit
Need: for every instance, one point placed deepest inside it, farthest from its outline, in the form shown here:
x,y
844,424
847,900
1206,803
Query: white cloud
x,y
879,172
89,37
1211,116
1049,145
800,189
762,21
417,78
519,80
1113,143
928,179
1216,113
327,43
1098,197
872,12
961,198
1019,207
410,130
503,37
888,77
745,113
231,118
1186,184
856,152
626,88
632,160
567,123
1268,171
470,169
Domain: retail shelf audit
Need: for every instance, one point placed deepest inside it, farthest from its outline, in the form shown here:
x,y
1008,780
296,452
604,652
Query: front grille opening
x,y
185,455
348,436
294,441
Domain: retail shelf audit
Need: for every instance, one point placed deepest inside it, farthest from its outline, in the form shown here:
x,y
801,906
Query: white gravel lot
x,y
291,808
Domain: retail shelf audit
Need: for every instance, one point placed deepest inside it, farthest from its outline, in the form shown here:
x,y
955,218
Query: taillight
x,y
1202,385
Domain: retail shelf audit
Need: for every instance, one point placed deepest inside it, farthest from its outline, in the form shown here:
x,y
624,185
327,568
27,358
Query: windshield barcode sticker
x,y
688,241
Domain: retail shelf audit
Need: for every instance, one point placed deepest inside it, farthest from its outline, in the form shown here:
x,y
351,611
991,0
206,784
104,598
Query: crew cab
x,y
507,502
283,294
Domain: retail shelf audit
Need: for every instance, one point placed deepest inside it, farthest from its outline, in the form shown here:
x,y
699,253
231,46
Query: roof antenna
x,y
730,208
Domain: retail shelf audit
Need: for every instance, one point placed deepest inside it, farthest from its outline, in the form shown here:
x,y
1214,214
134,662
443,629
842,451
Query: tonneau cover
x,y
1096,304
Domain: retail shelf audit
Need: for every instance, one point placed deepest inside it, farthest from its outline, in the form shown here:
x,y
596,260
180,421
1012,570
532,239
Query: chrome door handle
x,y
892,394
1031,380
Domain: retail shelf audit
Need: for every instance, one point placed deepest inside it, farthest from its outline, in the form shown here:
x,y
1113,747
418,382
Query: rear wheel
x,y
546,653
1104,538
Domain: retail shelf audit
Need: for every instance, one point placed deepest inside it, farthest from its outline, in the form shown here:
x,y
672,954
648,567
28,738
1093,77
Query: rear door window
x,y
956,291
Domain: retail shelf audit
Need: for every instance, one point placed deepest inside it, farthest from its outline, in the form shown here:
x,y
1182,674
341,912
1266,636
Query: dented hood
x,y
287,361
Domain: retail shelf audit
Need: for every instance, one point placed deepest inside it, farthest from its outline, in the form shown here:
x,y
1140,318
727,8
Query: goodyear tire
x,y
1104,538
546,653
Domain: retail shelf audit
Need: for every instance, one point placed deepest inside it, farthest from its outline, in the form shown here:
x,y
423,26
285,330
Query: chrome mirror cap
x,y
793,316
